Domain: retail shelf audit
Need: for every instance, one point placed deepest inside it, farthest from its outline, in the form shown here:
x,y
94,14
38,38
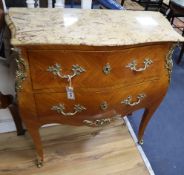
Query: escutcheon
x,y
107,69
104,106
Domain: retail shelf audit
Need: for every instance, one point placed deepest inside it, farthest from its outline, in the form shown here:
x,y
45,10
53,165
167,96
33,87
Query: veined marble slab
x,y
166,2
88,27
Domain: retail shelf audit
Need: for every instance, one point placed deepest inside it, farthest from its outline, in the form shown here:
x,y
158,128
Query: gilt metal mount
x,y
169,61
129,102
133,65
104,106
60,109
20,73
98,122
57,70
107,69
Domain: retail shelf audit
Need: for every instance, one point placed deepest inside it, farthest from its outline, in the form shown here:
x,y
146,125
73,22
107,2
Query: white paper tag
x,y
70,93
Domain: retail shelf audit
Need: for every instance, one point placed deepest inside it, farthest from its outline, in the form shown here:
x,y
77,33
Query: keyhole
x,y
107,69
104,105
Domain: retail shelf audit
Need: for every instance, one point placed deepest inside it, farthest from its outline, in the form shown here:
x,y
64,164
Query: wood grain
x,y
42,89
113,97
93,62
73,151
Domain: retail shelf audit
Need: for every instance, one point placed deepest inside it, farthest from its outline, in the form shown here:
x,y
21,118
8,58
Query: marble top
x,y
88,27
166,2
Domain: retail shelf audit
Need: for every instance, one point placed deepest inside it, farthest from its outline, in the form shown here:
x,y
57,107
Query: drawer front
x,y
55,107
87,69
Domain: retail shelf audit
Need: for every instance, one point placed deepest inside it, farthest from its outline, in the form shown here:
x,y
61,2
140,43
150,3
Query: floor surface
x,y
73,151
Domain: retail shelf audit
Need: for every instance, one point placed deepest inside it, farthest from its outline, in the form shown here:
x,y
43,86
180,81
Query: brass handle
x,y
56,70
98,122
133,64
129,102
60,109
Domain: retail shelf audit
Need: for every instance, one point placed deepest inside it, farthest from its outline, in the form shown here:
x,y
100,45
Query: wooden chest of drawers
x,y
101,87
78,79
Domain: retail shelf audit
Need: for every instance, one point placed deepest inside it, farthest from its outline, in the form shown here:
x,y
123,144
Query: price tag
x,y
70,93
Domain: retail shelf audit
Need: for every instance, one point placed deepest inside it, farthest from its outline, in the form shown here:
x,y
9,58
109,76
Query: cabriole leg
x,y
148,113
35,135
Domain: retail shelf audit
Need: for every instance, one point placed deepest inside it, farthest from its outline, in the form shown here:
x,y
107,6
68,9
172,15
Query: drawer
x,y
97,69
89,105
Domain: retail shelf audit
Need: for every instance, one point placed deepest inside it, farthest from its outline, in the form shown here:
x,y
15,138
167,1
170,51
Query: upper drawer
x,y
96,69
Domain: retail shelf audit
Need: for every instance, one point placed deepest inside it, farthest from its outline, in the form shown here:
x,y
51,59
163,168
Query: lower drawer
x,y
90,105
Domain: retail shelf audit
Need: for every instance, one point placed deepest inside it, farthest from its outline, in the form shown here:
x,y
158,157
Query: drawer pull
x,y
129,102
98,122
60,109
133,64
56,70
